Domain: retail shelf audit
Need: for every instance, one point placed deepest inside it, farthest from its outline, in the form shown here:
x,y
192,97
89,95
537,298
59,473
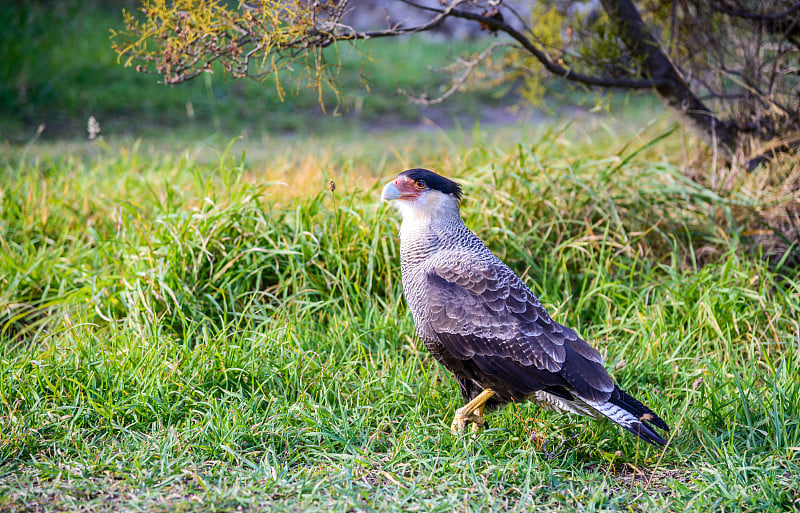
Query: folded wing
x,y
484,313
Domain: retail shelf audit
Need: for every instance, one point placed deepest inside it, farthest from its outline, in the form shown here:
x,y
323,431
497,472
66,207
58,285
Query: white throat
x,y
419,215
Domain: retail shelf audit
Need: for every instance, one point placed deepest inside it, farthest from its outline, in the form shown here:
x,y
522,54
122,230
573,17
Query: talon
x,y
471,413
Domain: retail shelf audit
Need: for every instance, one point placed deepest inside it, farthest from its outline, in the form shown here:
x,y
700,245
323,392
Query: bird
x,y
483,324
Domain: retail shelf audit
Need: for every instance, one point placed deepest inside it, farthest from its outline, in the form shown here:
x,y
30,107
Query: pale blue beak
x,y
390,192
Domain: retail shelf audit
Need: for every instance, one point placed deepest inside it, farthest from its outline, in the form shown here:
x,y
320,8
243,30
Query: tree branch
x,y
468,67
552,67
786,23
669,83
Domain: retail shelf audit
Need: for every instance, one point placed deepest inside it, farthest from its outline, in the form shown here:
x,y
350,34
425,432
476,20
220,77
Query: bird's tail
x,y
624,410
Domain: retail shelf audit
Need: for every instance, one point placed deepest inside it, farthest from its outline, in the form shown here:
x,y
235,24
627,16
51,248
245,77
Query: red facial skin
x,y
409,189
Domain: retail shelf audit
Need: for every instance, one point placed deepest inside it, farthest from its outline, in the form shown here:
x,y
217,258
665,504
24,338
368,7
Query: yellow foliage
x,y
180,39
550,26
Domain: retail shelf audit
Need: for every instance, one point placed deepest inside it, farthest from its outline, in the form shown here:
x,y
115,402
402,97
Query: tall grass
x,y
183,335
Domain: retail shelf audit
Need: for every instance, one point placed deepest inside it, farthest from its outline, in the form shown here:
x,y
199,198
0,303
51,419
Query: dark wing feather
x,y
486,314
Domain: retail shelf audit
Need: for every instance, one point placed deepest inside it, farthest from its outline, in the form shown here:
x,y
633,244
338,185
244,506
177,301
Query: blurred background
x,y
58,69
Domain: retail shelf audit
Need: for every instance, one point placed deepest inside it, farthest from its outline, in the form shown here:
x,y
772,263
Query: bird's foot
x,y
471,413
462,419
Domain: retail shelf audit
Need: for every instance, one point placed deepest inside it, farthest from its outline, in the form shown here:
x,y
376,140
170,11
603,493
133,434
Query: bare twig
x,y
468,67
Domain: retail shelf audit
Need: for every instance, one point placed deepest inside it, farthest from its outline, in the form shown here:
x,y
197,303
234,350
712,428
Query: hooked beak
x,y
390,192
400,189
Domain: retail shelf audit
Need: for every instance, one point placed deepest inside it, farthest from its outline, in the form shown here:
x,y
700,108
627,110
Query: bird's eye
x,y
420,184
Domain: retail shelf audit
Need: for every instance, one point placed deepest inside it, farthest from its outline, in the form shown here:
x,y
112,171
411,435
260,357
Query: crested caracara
x,y
478,318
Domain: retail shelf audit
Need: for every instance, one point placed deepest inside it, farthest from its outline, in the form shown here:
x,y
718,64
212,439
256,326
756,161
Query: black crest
x,y
434,181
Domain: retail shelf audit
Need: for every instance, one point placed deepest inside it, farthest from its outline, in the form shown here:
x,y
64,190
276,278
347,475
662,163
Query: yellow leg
x,y
471,413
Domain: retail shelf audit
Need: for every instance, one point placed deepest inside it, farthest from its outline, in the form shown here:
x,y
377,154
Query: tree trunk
x,y
670,85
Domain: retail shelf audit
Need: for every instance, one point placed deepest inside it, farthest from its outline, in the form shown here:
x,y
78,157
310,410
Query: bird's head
x,y
419,192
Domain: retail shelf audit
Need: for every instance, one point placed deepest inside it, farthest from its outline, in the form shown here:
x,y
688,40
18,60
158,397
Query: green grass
x,y
181,333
